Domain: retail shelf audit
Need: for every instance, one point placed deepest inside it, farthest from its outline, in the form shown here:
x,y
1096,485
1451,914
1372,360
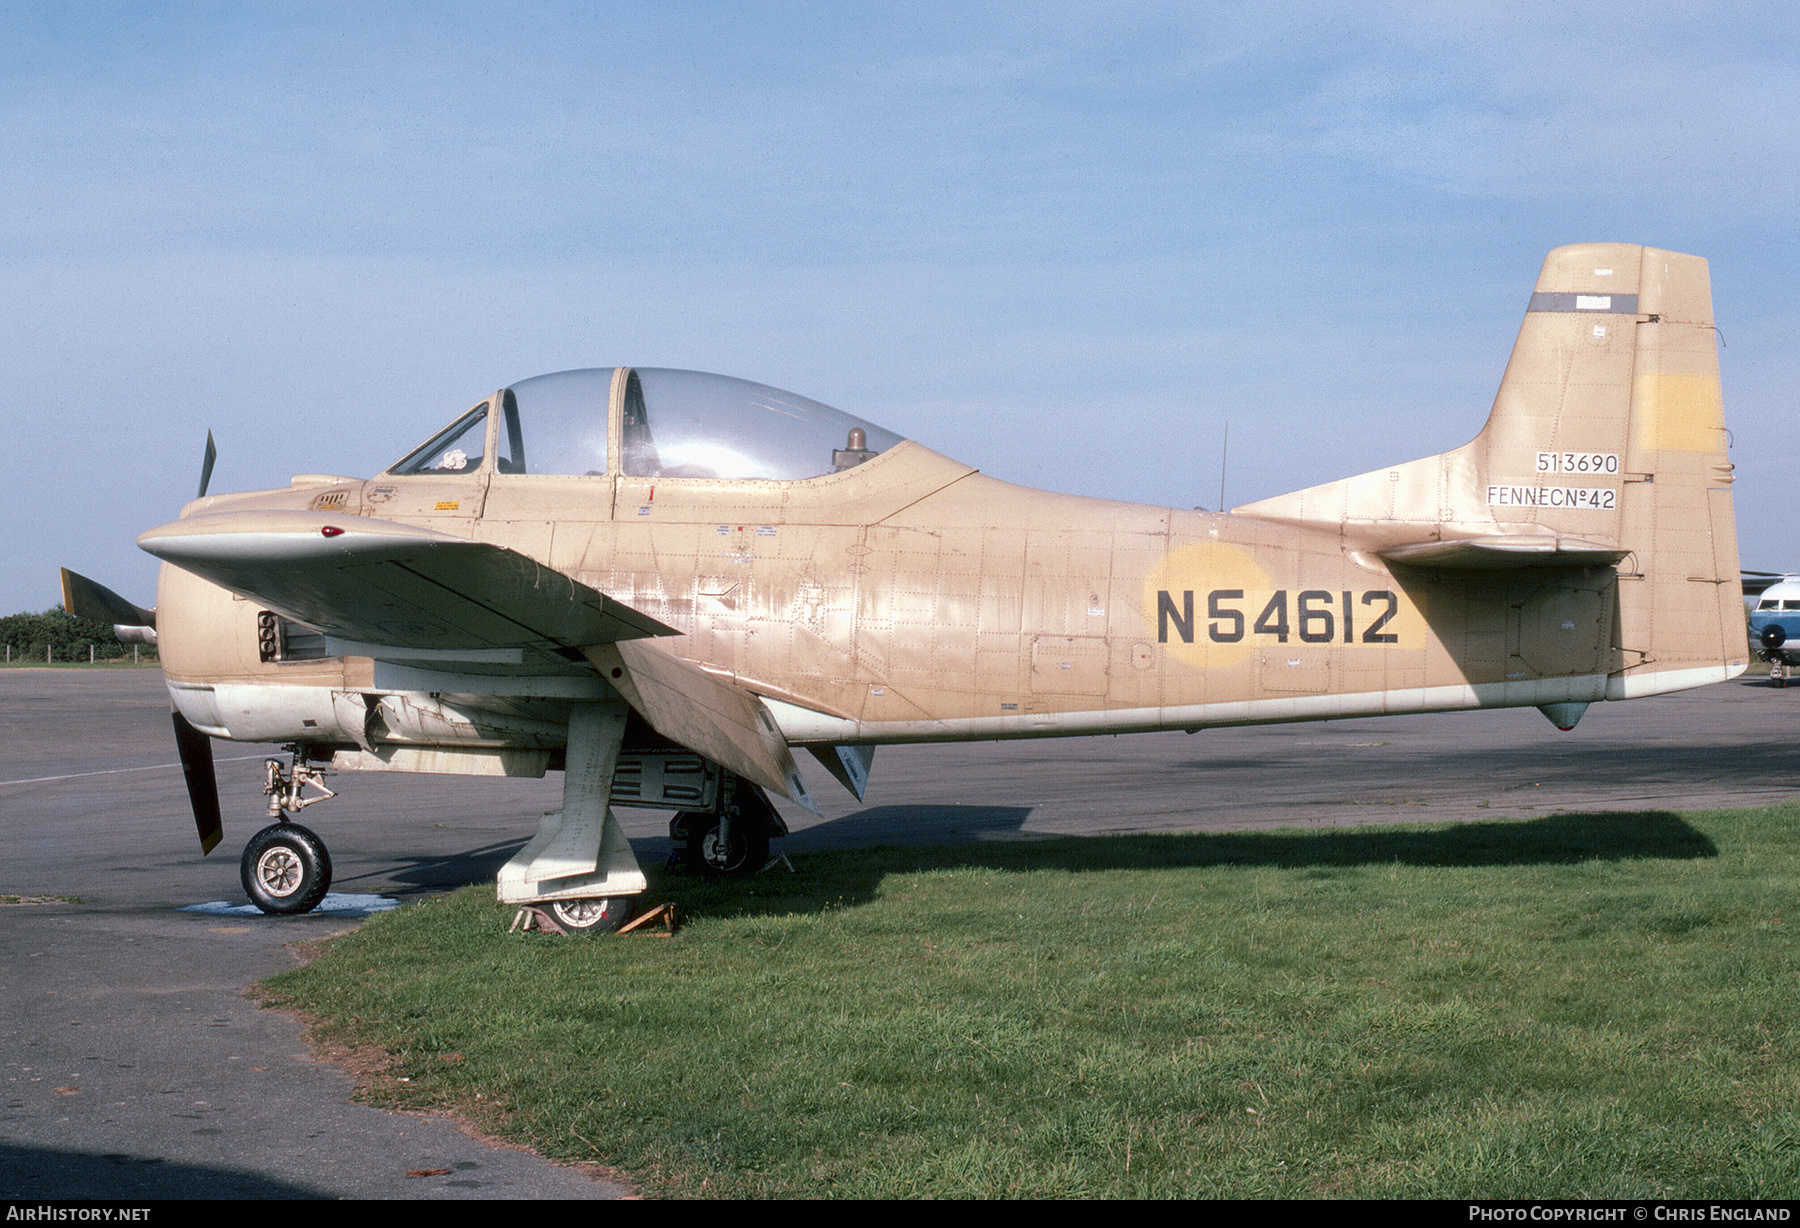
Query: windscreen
x,y
455,449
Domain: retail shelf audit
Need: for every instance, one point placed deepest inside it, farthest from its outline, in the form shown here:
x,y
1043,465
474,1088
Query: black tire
x,y
285,869
594,914
742,857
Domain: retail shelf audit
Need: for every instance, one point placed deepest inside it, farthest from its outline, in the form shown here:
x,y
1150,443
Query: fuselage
x,y
909,598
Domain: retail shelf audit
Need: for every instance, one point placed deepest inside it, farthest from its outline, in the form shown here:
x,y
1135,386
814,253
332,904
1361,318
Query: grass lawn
x,y
1573,1006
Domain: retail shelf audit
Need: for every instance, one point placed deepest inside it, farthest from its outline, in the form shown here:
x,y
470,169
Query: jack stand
x,y
529,918
662,912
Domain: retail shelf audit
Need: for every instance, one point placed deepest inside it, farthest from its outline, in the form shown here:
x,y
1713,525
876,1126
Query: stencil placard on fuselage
x,y
1585,498
1577,462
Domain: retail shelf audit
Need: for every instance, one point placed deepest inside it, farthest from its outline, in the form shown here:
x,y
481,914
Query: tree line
x,y
56,635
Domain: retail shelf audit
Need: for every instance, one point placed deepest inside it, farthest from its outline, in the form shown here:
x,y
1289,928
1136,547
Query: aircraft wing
x,y
417,592
703,712
384,584
1758,582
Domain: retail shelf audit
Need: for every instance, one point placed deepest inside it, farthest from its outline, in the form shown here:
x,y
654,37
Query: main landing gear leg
x,y
580,866
732,840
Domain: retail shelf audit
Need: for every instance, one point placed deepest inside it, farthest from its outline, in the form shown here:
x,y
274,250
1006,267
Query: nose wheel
x,y
285,869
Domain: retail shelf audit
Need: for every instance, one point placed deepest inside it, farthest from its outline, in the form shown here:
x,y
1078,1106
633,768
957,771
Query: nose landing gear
x,y
285,868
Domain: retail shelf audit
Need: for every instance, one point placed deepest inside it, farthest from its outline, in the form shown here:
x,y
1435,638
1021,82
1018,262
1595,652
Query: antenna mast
x,y
1224,450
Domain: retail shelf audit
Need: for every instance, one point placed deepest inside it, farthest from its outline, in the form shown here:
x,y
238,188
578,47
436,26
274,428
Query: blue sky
x,y
1065,243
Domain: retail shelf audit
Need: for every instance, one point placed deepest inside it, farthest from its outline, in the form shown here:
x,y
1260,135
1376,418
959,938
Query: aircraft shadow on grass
x,y
429,874
1562,839
903,839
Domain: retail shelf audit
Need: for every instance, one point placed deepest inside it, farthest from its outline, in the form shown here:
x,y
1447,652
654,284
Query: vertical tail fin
x,y
1606,446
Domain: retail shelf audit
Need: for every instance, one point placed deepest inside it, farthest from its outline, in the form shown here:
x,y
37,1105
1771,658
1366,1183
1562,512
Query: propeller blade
x,y
203,787
206,466
84,598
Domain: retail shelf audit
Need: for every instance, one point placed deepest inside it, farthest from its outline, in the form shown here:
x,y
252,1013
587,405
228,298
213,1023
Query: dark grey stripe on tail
x,y
1602,304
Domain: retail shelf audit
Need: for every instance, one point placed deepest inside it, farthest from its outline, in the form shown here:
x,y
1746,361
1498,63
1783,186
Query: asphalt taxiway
x,y
134,1066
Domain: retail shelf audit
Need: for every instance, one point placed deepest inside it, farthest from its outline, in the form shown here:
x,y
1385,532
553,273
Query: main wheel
x,y
740,857
595,915
285,869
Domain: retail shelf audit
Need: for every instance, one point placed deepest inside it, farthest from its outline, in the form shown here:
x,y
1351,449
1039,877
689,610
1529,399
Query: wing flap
x,y
709,715
381,583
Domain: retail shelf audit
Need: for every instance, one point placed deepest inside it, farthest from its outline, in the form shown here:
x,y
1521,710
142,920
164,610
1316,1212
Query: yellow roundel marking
x,y
1201,569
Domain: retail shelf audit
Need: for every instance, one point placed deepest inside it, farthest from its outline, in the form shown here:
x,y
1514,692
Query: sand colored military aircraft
x,y
662,583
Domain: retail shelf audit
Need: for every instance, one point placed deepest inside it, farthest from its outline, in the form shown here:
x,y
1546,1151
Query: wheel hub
x,y
581,912
280,872
599,914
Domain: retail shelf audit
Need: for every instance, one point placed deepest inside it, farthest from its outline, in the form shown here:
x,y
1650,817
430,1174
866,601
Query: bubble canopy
x,y
650,422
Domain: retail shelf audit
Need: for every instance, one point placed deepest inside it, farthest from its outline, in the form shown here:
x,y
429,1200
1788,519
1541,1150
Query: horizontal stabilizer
x,y
1505,553
381,583
709,715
